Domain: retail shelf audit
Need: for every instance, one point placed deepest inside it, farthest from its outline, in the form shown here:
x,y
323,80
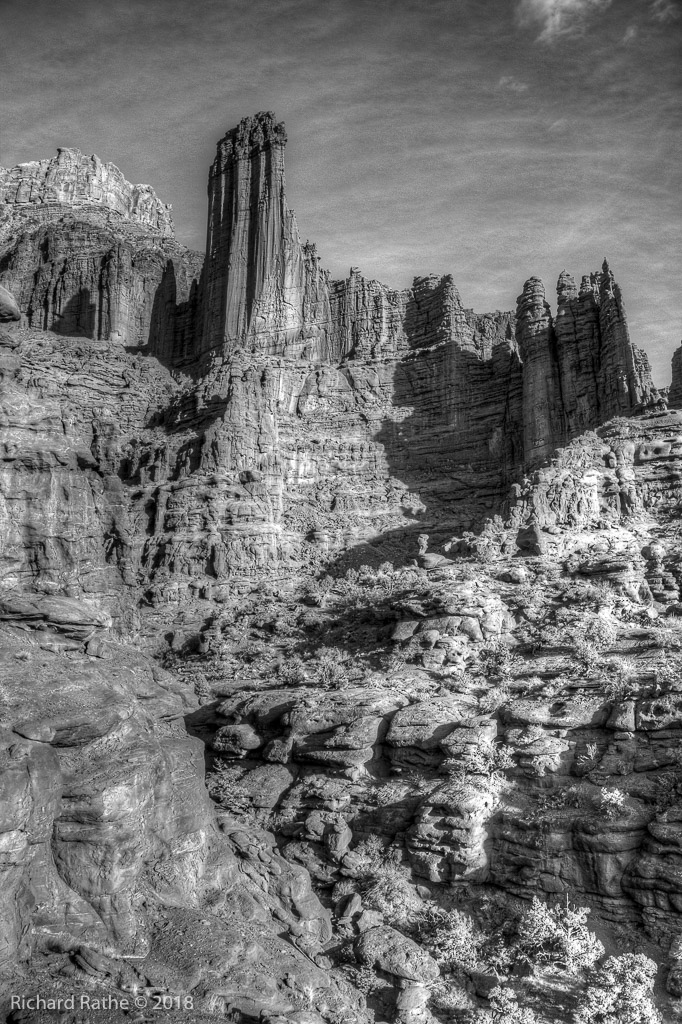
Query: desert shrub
x,y
292,671
390,891
610,803
621,678
619,992
316,592
668,674
344,887
505,1009
557,799
489,760
559,936
602,594
496,697
329,668
668,789
601,632
453,940
362,978
590,759
587,655
497,659
224,786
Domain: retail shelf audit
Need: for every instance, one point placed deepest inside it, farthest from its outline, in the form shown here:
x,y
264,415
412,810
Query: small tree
x,y
558,936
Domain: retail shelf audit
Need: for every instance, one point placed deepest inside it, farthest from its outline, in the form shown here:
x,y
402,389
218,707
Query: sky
x,y
490,139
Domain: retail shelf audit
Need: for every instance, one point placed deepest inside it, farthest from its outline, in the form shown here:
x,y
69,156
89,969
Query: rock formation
x,y
675,392
86,253
579,368
43,189
412,574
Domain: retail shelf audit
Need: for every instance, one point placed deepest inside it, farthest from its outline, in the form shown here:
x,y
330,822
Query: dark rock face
x,y
675,392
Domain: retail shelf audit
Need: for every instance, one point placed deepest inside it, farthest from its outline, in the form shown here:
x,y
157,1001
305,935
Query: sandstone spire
x,y
675,392
543,420
255,267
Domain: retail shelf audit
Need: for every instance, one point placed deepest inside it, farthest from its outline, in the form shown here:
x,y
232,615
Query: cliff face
x,y
321,413
88,254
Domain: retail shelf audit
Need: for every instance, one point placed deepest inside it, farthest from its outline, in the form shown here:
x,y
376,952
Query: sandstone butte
x,y
340,627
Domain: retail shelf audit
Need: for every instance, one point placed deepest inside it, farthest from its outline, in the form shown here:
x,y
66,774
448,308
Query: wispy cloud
x,y
512,84
665,10
630,34
561,18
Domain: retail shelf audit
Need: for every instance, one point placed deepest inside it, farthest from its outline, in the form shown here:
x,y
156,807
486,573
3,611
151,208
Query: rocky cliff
x,y
86,253
412,574
71,181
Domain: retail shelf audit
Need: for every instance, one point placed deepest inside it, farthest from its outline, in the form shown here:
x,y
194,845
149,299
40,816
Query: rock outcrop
x,y
86,253
187,444
70,181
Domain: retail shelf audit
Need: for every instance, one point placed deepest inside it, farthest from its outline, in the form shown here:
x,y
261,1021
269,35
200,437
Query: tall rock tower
x,y
543,413
255,270
580,368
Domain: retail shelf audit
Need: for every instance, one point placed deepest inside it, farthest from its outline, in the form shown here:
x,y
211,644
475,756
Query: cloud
x,y
561,18
665,10
511,84
630,34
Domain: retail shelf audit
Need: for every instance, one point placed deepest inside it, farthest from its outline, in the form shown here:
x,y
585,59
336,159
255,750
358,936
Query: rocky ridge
x,y
415,589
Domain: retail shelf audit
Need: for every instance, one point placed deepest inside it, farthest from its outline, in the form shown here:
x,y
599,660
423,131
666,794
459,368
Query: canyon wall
x,y
319,415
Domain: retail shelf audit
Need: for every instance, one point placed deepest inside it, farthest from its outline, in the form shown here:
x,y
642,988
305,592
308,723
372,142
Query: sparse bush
x,y
602,594
619,992
587,656
495,698
621,680
590,759
557,799
224,786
